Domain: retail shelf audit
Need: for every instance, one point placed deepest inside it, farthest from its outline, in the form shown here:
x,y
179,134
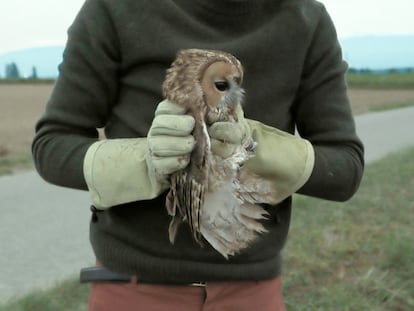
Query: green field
x,y
356,255
381,81
27,81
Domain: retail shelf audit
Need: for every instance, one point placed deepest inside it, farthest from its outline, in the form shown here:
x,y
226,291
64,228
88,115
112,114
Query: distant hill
x,y
365,52
46,60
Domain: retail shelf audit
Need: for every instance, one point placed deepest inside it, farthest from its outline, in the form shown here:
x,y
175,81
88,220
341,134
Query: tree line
x,y
12,72
381,71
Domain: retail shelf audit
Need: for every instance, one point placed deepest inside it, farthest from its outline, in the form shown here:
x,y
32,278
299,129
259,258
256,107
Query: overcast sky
x,y
31,23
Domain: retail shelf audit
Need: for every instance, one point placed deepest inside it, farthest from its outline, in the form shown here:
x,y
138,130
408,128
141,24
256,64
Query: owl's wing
x,y
229,224
255,189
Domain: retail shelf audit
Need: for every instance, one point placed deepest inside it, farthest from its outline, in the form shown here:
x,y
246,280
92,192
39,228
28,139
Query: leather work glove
x,y
283,159
119,171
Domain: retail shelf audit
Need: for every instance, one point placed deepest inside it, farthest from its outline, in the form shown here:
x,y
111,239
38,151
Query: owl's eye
x,y
221,85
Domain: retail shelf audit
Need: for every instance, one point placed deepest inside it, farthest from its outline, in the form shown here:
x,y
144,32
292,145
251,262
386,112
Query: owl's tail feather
x,y
171,205
194,196
173,228
184,203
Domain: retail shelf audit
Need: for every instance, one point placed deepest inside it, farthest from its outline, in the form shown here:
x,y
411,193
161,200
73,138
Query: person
x,y
113,67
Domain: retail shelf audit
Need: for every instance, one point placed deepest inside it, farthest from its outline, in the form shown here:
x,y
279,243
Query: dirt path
x,y
362,100
20,107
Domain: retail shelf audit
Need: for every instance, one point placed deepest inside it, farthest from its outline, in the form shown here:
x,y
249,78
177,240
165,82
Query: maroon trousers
x,y
215,296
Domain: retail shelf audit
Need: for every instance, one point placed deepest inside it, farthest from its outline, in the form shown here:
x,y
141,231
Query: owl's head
x,y
207,79
221,86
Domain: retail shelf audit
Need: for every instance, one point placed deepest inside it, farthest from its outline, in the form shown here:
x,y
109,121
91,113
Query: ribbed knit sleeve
x,y
81,99
324,117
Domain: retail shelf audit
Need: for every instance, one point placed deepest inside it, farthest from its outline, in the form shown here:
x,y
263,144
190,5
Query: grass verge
x,y
67,296
356,255
391,106
12,163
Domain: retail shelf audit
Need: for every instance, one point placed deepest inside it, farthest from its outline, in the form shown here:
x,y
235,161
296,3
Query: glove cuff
x,y
116,172
281,158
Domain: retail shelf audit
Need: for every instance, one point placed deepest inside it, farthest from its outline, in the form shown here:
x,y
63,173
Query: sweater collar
x,y
230,8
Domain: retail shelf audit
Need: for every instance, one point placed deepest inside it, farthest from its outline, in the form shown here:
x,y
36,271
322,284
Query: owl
x,y
214,196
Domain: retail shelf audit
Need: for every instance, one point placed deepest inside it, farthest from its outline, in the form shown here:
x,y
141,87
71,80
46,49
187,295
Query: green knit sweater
x,y
113,67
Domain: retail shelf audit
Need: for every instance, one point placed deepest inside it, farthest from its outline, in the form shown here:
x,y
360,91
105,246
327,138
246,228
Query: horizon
x,y
341,39
374,53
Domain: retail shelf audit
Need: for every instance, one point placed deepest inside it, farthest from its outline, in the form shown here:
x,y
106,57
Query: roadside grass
x,y
390,106
356,255
67,296
12,163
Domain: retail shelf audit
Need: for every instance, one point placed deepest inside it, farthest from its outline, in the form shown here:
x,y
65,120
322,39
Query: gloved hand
x,y
119,171
226,137
169,140
283,159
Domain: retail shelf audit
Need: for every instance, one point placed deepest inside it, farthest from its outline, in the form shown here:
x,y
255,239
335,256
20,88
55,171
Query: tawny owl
x,y
212,194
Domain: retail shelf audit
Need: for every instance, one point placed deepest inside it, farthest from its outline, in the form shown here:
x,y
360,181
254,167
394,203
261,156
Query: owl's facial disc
x,y
217,81
233,96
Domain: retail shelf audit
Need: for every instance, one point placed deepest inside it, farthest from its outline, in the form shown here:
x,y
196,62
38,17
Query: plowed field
x,y
22,104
